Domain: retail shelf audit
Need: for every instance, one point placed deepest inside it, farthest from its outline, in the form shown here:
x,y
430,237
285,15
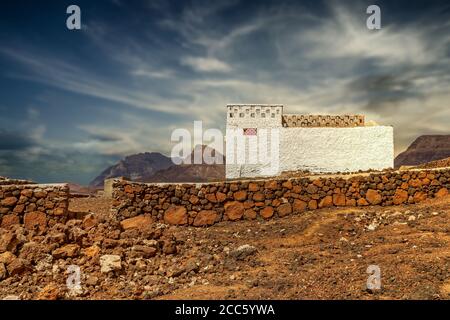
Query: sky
x,y
73,102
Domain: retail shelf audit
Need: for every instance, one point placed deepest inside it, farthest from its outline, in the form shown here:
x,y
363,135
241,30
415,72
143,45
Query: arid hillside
x,y
321,254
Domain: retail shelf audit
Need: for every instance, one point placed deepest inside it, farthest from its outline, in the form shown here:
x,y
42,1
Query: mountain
x,y
155,167
192,172
424,149
134,167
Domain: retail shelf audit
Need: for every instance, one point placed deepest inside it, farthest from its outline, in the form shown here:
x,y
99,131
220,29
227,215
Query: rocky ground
x,y
321,254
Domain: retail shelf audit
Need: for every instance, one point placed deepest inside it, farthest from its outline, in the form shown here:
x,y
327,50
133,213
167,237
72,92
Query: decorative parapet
x,y
297,120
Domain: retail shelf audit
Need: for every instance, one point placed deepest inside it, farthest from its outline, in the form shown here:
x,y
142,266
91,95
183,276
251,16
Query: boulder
x,y
234,210
9,201
339,199
441,193
137,222
299,205
325,202
35,220
240,195
400,196
373,197
284,209
176,215
266,212
205,218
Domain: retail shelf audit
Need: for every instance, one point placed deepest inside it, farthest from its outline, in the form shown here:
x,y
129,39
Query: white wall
x,y
337,149
326,150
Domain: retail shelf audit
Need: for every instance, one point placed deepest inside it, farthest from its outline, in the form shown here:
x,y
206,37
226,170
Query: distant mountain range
x,y
424,149
156,167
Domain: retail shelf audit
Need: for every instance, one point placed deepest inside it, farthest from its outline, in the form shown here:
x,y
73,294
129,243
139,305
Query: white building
x,y
263,141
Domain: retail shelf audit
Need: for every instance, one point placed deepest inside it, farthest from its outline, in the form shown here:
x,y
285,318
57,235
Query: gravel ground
x,y
322,254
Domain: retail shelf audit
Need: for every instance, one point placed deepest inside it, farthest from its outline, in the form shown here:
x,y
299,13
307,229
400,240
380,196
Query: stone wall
x,y
8,181
206,204
34,205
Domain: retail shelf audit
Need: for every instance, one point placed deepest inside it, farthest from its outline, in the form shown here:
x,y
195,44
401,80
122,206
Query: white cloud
x,y
206,64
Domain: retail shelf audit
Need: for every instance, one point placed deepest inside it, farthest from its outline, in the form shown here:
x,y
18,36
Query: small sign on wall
x,y
250,132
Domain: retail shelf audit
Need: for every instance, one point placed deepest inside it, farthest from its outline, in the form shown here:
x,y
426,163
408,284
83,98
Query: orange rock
x,y
91,251
35,221
362,202
312,204
287,184
211,197
27,193
249,204
253,187
297,189
234,210
420,196
9,201
400,196
250,214
89,221
318,183
193,199
220,196
441,193
67,251
325,202
339,199
284,209
49,292
415,183
404,185
240,195
60,211
272,185
299,205
266,212
205,218
128,189
176,215
259,196
9,220
350,202
373,196
276,202
137,222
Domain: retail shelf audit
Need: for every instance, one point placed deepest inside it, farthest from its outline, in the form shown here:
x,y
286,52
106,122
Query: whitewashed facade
x,y
302,142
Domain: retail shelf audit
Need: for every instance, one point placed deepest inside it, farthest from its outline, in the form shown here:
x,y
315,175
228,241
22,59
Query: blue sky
x,y
74,102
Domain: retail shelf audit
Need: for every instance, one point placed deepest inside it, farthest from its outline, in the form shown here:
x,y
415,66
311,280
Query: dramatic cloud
x,y
80,100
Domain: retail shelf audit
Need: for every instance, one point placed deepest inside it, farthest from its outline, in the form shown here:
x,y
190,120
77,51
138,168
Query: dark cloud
x,y
381,92
10,140
104,138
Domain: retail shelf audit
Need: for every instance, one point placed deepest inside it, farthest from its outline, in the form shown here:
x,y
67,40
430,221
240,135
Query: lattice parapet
x,y
254,115
296,120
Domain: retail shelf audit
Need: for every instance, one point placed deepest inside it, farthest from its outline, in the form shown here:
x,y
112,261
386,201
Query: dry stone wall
x,y
206,204
7,181
36,206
